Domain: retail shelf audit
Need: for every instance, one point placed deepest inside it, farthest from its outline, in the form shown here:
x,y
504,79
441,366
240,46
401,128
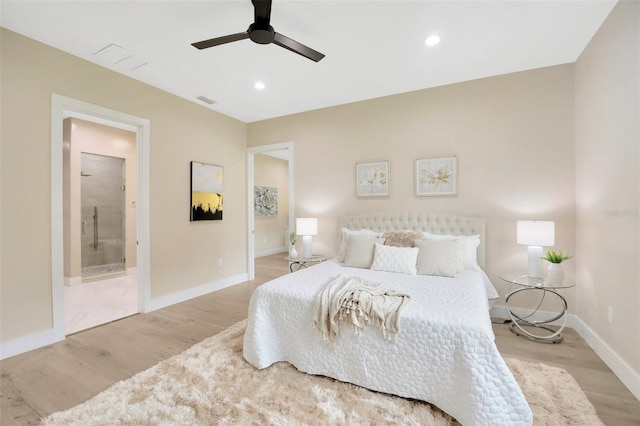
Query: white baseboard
x,y
28,343
72,281
269,252
172,299
37,340
620,368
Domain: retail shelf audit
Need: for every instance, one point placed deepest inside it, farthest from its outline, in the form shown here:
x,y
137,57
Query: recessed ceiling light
x,y
259,85
432,40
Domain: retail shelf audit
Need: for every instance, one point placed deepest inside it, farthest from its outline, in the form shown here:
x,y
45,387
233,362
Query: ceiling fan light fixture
x,y
261,32
259,85
432,40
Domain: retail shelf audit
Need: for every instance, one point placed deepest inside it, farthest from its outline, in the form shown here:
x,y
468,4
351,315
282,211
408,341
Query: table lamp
x,y
535,234
306,226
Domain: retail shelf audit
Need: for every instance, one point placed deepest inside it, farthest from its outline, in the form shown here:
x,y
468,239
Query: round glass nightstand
x,y
527,324
303,262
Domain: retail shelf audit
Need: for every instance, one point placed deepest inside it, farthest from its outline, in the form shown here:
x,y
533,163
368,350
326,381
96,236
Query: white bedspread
x,y
444,353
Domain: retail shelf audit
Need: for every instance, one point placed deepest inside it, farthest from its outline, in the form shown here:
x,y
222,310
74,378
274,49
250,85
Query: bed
x,y
444,352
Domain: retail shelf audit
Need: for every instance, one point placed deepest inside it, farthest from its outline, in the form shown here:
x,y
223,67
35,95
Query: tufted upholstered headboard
x,y
437,223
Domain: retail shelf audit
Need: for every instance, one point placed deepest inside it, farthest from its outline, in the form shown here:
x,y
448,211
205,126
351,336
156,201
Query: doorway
x,y
62,108
99,223
283,151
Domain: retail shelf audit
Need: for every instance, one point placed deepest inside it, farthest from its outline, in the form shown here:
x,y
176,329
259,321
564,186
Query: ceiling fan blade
x,y
204,44
299,48
262,12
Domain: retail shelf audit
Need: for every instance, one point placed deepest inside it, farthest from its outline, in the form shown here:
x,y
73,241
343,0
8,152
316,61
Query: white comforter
x,y
444,353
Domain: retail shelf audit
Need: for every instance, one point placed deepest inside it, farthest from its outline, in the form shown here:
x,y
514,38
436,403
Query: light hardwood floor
x,y
62,375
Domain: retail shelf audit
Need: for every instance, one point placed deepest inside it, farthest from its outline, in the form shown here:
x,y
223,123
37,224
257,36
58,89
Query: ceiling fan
x,y
262,32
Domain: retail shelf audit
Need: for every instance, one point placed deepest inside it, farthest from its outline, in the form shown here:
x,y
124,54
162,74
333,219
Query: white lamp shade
x,y
307,226
536,233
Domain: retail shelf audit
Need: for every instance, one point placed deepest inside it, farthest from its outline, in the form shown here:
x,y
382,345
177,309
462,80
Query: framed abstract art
x,y
265,200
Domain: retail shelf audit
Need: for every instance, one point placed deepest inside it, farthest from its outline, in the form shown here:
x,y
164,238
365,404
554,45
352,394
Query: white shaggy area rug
x,y
212,384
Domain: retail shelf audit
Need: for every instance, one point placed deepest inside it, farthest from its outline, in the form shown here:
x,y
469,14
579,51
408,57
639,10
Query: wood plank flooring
x,y
67,373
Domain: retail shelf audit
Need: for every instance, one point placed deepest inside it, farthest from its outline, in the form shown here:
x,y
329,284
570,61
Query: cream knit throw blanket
x,y
360,302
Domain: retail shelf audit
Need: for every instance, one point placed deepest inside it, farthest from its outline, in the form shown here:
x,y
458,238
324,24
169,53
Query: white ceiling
x,y
372,48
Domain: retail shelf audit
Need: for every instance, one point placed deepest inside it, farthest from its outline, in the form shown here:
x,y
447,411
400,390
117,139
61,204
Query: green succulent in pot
x,y
292,238
556,256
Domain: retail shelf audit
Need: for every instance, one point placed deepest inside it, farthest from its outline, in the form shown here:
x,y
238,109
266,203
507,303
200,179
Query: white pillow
x,y
359,252
460,247
437,257
395,259
467,249
471,252
346,234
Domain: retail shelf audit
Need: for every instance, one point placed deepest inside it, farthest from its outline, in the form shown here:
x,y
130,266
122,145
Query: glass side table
x,y
525,324
303,262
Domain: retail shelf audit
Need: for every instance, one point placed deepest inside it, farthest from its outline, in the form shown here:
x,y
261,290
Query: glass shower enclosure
x,y
102,198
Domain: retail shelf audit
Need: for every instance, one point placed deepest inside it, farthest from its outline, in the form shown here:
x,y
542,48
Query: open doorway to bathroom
x,y
99,197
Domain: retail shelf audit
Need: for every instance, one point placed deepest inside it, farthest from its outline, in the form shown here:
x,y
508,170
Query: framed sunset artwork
x,y
206,191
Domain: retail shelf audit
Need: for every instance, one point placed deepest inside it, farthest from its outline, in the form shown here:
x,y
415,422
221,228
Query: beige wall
x,y
85,136
183,254
270,231
607,87
513,136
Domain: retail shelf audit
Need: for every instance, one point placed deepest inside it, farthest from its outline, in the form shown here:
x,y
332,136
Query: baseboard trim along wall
x,y
72,281
37,340
28,343
172,299
621,369
269,252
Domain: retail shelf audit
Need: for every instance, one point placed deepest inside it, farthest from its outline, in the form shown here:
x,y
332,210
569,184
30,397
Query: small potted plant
x,y
292,240
555,273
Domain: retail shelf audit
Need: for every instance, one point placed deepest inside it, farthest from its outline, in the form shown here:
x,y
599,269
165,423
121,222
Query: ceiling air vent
x,y
113,54
116,55
206,100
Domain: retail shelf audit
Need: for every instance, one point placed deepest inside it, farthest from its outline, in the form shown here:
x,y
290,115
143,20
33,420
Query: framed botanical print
x,y
372,179
436,176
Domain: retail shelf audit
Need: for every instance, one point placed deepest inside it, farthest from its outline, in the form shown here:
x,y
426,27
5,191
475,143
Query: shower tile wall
x,y
102,189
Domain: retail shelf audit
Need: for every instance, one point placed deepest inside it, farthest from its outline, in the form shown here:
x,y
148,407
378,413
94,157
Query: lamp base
x,y
306,246
535,261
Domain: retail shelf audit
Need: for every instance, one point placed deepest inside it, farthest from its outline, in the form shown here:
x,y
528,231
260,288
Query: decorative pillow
x,y
401,238
346,234
359,252
460,248
395,259
468,249
437,257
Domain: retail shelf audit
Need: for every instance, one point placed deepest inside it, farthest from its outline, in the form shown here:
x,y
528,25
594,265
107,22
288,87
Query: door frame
x,y
62,107
264,149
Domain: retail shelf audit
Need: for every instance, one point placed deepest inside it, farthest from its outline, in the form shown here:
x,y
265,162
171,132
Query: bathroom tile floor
x,y
99,302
